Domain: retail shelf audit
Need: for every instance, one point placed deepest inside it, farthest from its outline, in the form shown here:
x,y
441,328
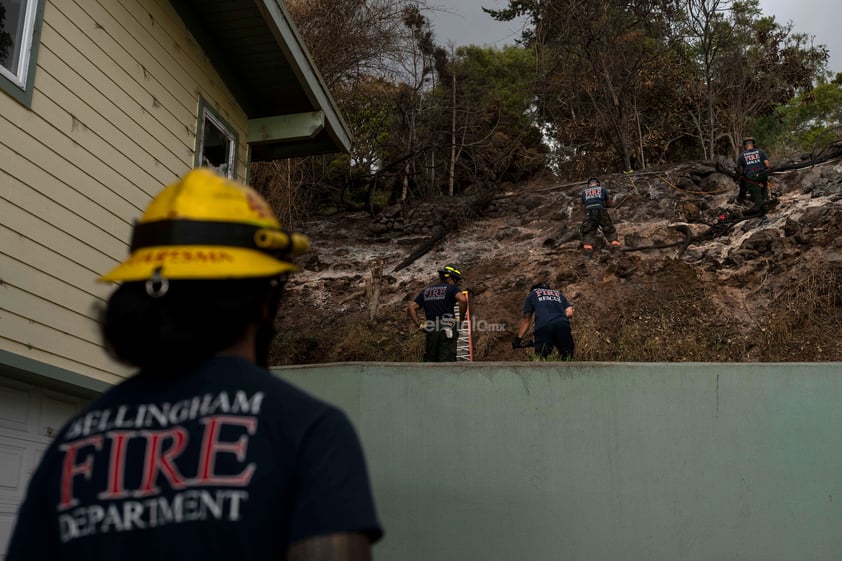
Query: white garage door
x,y
29,417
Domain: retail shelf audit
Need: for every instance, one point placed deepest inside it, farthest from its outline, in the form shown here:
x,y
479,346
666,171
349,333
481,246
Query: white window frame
x,y
20,76
207,114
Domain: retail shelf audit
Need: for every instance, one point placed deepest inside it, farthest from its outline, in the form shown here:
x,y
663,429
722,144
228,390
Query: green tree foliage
x,y
601,64
613,84
649,81
765,67
709,34
809,122
487,112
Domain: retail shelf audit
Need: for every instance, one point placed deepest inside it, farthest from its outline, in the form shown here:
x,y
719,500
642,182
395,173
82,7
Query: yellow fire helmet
x,y
206,226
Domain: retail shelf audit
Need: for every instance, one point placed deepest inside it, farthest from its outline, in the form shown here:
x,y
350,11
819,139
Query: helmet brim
x,y
196,262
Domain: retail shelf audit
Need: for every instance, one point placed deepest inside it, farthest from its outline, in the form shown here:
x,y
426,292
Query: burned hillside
x,y
695,279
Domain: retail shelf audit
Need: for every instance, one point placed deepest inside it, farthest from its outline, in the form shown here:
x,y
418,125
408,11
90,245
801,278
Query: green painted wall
x,y
597,462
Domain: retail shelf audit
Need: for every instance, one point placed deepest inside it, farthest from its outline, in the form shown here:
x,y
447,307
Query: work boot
x,y
615,246
587,250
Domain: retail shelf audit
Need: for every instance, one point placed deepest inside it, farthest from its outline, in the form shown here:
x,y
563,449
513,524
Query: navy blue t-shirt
x,y
548,306
438,300
224,462
595,197
752,161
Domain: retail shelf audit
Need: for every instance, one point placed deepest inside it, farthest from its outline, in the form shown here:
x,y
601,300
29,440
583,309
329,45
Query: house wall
x,y
113,119
597,462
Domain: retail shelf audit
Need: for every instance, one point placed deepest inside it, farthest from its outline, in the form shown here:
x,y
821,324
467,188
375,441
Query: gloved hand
x,y
516,343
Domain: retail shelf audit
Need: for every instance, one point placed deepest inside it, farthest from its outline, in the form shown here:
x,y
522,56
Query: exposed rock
x,y
693,271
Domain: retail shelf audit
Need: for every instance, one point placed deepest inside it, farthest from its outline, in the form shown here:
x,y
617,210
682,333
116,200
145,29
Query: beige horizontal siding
x,y
90,172
113,118
112,373
90,127
101,205
52,276
23,303
38,224
31,333
163,101
61,207
166,34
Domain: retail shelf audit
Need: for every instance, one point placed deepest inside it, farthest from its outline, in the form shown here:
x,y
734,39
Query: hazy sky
x,y
462,22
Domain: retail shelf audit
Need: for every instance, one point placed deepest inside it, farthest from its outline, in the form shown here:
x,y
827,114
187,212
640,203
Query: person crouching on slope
x,y
553,313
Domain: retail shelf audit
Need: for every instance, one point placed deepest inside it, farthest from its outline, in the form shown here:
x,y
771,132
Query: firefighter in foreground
x,y
203,454
553,313
440,326
597,201
753,170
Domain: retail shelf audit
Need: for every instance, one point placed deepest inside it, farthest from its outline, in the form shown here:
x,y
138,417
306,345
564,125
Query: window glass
x,y
217,144
17,19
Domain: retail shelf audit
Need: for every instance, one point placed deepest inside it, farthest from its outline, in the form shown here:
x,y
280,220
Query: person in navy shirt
x,y
552,313
203,454
438,302
753,169
597,201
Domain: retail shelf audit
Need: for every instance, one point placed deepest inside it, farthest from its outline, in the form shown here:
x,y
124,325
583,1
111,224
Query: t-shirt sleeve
x,y
35,537
420,299
453,290
334,493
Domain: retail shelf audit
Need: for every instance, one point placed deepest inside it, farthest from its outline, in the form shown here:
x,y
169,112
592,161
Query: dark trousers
x,y
760,197
554,336
758,186
439,347
597,219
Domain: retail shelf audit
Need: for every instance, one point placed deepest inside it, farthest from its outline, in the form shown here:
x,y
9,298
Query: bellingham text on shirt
x,y
95,452
164,414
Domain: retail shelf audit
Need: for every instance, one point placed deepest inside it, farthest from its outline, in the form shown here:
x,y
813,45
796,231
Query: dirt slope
x,y
682,288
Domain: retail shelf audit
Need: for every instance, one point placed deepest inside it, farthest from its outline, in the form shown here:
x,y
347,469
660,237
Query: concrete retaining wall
x,y
597,462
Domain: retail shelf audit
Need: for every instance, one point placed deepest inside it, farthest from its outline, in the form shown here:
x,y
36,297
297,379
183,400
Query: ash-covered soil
x,y
685,286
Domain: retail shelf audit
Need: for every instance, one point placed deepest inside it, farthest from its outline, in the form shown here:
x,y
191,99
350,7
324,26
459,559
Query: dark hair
x,y
192,321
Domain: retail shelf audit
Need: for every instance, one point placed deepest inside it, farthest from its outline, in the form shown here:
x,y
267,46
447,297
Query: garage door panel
x,y
13,464
16,409
7,521
55,411
30,416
